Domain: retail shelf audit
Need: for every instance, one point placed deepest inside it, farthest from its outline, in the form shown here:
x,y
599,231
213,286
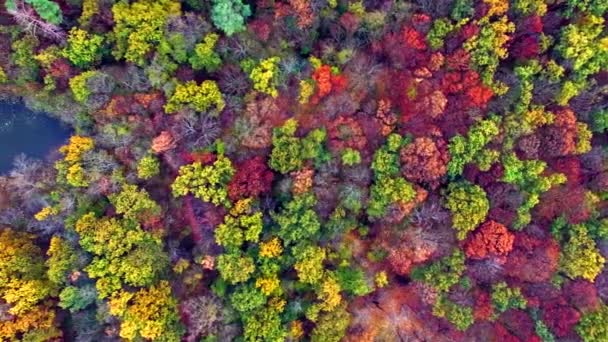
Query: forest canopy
x,y
308,170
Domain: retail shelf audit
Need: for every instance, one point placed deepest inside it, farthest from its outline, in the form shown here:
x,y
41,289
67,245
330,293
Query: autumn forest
x,y
308,170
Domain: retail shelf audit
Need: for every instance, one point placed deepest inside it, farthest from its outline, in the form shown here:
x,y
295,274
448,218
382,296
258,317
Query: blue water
x,y
24,131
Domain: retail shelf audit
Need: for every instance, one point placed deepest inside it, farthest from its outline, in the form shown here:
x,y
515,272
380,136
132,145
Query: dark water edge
x,y
24,131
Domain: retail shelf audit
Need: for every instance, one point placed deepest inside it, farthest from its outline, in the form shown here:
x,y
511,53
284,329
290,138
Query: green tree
x,y
442,274
229,15
592,326
238,227
469,206
505,297
309,264
247,298
204,57
138,27
464,150
84,49
148,167
62,260
47,10
78,85
134,203
298,220
77,298
207,183
331,326
235,268
350,157
286,155
122,253
460,316
199,97
389,187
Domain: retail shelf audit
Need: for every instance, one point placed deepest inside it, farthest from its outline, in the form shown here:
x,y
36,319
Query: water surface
x,y
28,132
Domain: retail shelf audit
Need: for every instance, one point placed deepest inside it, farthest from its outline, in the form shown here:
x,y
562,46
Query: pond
x,y
28,132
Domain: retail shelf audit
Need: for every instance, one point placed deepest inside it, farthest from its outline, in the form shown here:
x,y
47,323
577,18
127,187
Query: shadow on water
x,y
28,132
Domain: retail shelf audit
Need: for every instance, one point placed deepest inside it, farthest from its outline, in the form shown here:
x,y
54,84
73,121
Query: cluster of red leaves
x,y
326,82
491,238
559,138
345,132
251,179
425,160
532,259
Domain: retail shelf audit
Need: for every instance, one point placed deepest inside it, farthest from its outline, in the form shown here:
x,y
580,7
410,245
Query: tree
x,y
442,274
62,260
240,225
208,183
84,49
122,253
265,76
138,27
252,178
46,9
460,316
199,97
505,297
204,57
331,326
580,257
286,155
424,160
388,188
309,264
229,15
464,150
235,268
469,206
148,167
490,239
23,281
149,313
77,298
134,204
592,327
297,221
247,298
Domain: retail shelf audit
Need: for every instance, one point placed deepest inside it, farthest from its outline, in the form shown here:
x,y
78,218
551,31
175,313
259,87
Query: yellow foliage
x,y
583,141
199,97
47,56
307,89
296,329
277,304
181,265
381,279
76,148
89,9
45,212
271,248
241,207
268,285
496,7
39,318
329,294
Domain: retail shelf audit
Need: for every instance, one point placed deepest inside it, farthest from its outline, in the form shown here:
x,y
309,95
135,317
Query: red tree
x,y
532,259
491,238
251,179
560,317
425,160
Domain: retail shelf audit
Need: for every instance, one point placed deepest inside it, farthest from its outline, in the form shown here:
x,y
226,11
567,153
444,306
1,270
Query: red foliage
x,y
425,160
583,295
483,305
260,28
532,259
346,132
559,139
326,82
563,200
560,317
525,47
251,179
502,334
491,238
480,95
518,323
205,158
350,22
571,167
413,39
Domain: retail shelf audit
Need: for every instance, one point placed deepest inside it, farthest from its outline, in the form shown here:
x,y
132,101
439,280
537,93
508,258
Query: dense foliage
x,y
308,170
